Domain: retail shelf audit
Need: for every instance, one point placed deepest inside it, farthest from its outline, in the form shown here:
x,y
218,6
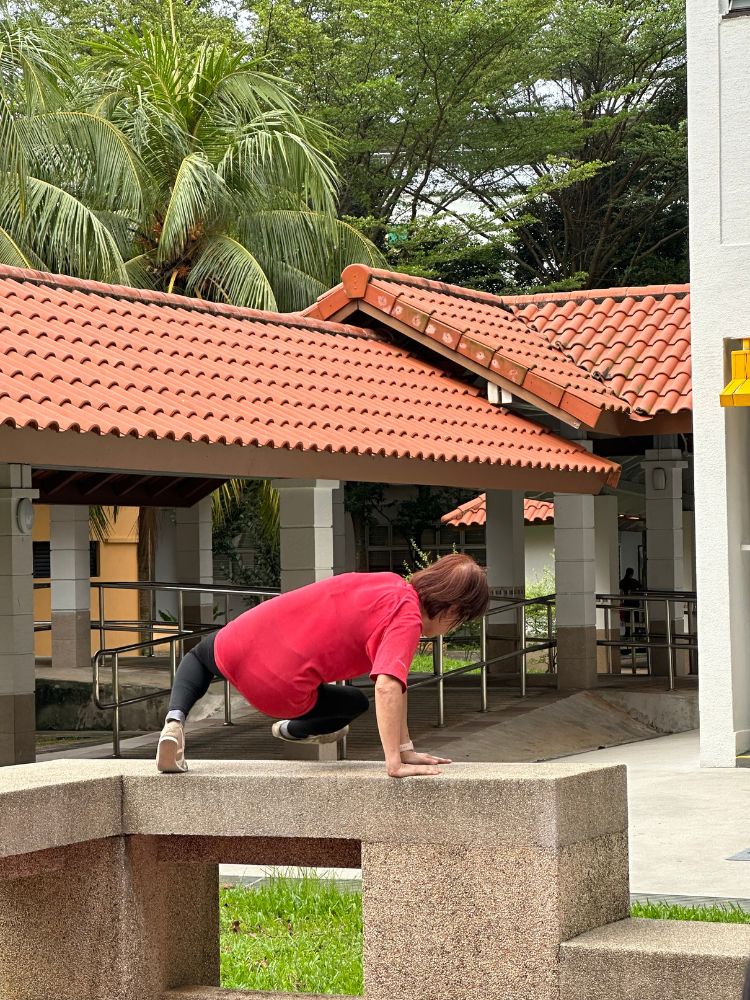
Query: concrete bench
x,y
470,882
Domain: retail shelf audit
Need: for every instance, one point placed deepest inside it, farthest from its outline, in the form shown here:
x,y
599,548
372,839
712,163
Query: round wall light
x,y
25,515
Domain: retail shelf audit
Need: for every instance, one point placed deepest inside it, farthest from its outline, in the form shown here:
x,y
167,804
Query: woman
x,y
285,655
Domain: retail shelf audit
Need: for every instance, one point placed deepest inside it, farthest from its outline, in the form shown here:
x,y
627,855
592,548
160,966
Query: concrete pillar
x,y
575,581
194,561
607,560
505,574
306,517
105,914
664,544
70,588
343,535
17,717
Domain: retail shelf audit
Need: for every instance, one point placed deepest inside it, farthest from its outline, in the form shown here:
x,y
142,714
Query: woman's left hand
x,y
413,757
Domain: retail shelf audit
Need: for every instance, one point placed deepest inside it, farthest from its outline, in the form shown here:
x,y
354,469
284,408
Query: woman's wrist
x,y
406,747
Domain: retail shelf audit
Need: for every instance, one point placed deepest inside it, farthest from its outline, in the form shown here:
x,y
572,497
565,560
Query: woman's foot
x,y
170,753
279,730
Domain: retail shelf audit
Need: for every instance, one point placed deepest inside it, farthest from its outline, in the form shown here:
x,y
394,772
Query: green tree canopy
x,y
163,165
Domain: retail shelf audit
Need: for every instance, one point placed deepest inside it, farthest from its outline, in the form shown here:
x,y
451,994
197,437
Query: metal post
x,y
102,634
116,694
227,705
670,651
523,650
172,662
181,620
226,609
483,658
549,638
647,623
437,667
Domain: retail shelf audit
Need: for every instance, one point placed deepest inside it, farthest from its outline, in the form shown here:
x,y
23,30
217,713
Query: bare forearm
x,y
390,710
405,738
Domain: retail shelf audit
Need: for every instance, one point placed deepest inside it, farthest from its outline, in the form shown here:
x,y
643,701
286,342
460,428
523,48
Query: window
x,y
42,560
739,5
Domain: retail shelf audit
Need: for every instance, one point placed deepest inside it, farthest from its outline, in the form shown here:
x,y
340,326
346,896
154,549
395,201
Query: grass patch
x,y
723,913
300,934
303,934
422,664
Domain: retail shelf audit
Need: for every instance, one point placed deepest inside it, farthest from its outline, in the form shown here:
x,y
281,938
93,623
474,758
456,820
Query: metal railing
x,y
532,631
171,634
654,620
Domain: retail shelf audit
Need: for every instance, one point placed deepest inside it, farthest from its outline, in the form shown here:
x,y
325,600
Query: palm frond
x,y
226,270
61,231
141,271
91,152
102,520
12,255
195,198
228,500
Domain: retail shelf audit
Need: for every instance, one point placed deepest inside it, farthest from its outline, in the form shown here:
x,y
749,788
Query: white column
x,y
343,535
307,545
607,559
17,715
506,562
306,519
70,587
194,558
719,150
575,580
664,543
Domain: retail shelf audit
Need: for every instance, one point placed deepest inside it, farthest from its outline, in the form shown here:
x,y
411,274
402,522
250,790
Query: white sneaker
x,y
276,730
170,753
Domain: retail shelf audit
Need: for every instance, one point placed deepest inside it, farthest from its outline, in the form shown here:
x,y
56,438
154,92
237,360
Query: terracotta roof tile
x,y
473,513
637,339
92,358
601,350
481,328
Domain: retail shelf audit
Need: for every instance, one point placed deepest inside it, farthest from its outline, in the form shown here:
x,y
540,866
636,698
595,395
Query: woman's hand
x,y
413,757
411,770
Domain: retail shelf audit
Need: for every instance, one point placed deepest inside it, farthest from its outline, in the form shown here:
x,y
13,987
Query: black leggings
x,y
336,705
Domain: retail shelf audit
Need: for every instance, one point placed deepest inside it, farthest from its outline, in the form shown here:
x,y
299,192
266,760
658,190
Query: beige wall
x,y
117,561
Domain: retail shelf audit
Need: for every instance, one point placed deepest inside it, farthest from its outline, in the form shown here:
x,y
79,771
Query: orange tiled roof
x,y
587,353
480,328
99,359
635,340
473,513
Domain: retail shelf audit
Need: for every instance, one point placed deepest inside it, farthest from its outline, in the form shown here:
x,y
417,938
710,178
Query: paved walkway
x,y
686,822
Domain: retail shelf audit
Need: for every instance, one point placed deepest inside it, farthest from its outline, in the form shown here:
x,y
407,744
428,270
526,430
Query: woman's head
x,y
454,585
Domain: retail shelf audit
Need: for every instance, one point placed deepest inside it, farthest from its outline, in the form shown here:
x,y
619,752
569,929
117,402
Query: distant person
x,y
284,656
629,584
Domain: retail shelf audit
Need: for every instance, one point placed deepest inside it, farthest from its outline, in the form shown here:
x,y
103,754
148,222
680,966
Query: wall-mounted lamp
x,y
659,477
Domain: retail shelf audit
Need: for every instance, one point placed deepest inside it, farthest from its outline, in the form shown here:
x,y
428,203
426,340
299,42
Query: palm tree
x,y
183,169
155,164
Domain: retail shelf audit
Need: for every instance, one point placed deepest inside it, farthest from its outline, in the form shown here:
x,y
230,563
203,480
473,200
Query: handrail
x,y
172,634
640,602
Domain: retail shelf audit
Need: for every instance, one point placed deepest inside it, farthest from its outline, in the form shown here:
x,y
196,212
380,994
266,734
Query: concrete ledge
x,y
216,993
277,851
668,959
43,806
545,805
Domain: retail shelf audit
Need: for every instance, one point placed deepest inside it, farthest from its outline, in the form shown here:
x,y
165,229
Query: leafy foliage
x,y
177,167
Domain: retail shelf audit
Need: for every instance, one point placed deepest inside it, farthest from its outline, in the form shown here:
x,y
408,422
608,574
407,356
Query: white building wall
x,y
719,151
540,551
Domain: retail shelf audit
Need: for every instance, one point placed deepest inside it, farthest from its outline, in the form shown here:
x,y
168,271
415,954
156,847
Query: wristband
x,y
406,746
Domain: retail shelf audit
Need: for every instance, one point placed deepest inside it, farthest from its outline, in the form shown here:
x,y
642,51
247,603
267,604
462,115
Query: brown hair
x,y
455,581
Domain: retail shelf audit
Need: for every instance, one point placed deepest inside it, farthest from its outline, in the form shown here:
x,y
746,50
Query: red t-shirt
x,y
279,652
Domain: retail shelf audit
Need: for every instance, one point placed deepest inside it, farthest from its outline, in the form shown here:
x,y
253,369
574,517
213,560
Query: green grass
x,y
726,913
304,934
422,664
292,935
